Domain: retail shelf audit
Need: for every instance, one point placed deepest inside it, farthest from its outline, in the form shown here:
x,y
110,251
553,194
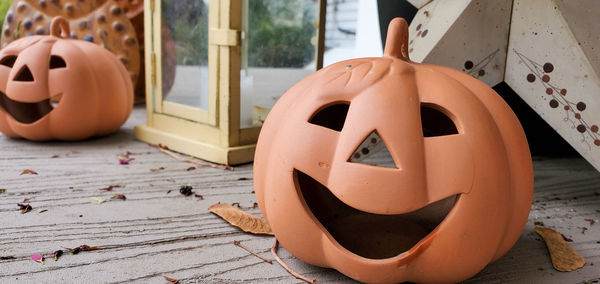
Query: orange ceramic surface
x,y
113,24
457,199
96,94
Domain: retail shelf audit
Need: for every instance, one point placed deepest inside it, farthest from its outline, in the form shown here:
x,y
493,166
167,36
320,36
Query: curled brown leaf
x,y
172,280
119,196
24,208
109,188
83,248
89,248
243,220
563,257
28,172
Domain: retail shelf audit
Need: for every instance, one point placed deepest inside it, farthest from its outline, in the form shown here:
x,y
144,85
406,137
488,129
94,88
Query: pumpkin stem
x,y
396,43
58,24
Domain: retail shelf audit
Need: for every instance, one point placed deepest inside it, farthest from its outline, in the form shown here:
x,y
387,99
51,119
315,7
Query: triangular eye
x,y
24,75
435,122
332,117
57,62
8,60
372,151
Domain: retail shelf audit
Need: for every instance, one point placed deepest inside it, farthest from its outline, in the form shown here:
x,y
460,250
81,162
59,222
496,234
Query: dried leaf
x,y
109,188
45,210
97,200
245,221
564,258
89,248
83,248
24,208
156,170
74,152
119,196
75,250
199,196
169,191
245,178
26,199
28,172
2,190
54,156
8,257
38,257
592,221
57,254
172,280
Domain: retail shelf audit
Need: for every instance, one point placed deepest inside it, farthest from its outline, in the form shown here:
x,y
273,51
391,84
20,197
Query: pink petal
x,y
38,257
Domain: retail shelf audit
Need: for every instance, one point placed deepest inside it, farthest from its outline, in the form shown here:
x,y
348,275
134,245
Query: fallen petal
x,y
97,200
38,257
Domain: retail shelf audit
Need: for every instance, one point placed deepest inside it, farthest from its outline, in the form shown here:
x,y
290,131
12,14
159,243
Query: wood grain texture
x,y
153,233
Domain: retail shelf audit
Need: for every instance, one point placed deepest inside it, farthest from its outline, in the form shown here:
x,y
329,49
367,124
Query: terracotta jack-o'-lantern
x,y
96,94
455,198
117,25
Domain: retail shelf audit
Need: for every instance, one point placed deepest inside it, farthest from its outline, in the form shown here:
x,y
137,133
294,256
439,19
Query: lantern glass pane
x,y
184,56
279,47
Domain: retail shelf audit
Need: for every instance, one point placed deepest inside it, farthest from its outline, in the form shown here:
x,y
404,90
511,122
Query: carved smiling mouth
x,y
369,235
26,113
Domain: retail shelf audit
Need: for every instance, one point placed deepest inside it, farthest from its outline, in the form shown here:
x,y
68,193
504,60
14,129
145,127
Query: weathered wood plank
x,y
155,233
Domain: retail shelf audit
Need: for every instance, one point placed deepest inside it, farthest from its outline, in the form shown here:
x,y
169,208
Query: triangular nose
x,y
373,151
24,75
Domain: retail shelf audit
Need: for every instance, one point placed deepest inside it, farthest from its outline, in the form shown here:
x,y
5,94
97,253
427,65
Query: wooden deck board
x,y
153,233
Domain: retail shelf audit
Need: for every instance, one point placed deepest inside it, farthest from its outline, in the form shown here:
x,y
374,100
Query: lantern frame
x,y
214,134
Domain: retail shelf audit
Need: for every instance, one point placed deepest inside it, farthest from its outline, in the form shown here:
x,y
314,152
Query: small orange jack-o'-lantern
x,y
455,197
96,94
